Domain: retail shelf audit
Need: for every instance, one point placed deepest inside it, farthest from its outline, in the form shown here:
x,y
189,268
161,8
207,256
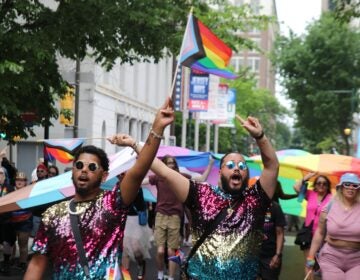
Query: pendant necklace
x,y
230,209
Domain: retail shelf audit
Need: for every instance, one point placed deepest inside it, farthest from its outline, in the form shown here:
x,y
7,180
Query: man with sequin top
x,y
231,251
101,214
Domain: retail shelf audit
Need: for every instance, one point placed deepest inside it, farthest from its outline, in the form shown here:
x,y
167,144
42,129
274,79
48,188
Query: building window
x,y
254,64
237,63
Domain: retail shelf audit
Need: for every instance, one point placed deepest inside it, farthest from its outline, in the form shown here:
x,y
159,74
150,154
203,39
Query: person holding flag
x,y
231,249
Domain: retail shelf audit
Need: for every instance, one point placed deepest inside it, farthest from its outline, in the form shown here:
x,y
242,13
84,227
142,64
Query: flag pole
x,y
181,49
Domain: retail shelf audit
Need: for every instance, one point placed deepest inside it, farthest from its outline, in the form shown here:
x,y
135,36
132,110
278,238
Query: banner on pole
x,y
199,91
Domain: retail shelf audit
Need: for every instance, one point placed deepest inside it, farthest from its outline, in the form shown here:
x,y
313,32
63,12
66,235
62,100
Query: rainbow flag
x,y
63,150
202,50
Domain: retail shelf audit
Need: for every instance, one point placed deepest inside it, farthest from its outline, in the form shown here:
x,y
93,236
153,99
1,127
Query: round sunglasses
x,y
92,166
231,165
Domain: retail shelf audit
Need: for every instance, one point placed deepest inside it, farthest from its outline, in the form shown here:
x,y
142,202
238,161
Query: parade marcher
x,y
273,243
137,236
169,216
231,250
98,215
7,233
22,223
339,227
317,199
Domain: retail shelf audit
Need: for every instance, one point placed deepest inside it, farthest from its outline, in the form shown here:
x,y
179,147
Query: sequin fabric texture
x,y
231,251
102,224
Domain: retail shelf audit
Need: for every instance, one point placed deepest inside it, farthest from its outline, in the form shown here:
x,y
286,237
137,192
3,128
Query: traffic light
x,y
67,107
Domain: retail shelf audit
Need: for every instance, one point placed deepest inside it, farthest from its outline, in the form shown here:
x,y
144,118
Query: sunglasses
x,y
351,185
321,183
231,165
92,166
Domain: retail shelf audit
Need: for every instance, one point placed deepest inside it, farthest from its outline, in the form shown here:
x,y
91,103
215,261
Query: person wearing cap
x,y
339,227
22,223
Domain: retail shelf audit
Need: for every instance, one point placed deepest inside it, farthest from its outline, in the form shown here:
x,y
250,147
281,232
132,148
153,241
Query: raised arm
x,y
134,176
203,177
298,184
176,182
268,177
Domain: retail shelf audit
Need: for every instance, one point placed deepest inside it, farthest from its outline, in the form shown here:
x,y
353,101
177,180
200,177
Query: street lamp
x,y
347,133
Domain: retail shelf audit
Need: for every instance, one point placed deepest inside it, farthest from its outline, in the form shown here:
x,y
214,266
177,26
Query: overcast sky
x,y
295,15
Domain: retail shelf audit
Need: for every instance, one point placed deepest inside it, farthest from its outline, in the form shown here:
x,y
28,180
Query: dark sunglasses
x,y
92,166
231,165
351,185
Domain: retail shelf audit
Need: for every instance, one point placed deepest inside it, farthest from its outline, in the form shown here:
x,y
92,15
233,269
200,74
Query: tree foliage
x,y
34,33
320,74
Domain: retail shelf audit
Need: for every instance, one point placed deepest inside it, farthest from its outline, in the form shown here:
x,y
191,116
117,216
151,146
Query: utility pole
x,y
77,97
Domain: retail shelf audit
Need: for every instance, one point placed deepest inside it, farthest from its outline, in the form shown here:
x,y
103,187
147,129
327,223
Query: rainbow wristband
x,y
310,263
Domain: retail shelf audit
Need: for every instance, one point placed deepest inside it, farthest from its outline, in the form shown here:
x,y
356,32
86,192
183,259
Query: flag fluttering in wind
x,y
202,50
63,150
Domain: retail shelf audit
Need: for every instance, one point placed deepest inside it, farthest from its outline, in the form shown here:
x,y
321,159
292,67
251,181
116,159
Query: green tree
x,y
33,34
319,72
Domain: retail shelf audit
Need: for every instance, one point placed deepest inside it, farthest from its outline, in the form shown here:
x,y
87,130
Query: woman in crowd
x,y
316,200
53,171
339,227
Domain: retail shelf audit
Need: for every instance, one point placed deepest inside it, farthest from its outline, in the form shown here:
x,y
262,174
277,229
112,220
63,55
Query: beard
x,y
226,186
84,192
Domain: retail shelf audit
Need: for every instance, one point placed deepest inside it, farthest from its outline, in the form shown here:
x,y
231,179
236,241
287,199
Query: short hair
x,y
100,153
224,156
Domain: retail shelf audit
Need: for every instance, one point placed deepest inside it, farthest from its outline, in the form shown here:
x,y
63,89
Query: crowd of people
x,y
237,228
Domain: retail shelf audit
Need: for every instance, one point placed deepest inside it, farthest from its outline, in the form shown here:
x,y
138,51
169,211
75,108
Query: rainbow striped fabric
x,y
202,50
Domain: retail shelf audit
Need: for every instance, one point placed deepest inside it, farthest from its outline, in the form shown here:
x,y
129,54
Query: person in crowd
x,y
136,236
169,215
272,245
53,171
101,214
279,194
338,233
22,223
7,233
317,199
10,168
232,250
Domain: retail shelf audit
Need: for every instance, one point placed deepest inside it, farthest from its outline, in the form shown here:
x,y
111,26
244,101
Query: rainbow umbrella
x,y
294,167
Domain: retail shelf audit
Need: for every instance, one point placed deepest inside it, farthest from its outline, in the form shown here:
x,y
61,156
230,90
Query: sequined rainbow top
x,y
231,250
102,230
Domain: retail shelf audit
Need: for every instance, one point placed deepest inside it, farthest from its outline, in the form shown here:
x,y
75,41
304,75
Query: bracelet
x,y
155,135
310,262
262,134
134,146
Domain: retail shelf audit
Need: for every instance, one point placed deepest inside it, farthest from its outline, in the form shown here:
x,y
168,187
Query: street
x,y
293,264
